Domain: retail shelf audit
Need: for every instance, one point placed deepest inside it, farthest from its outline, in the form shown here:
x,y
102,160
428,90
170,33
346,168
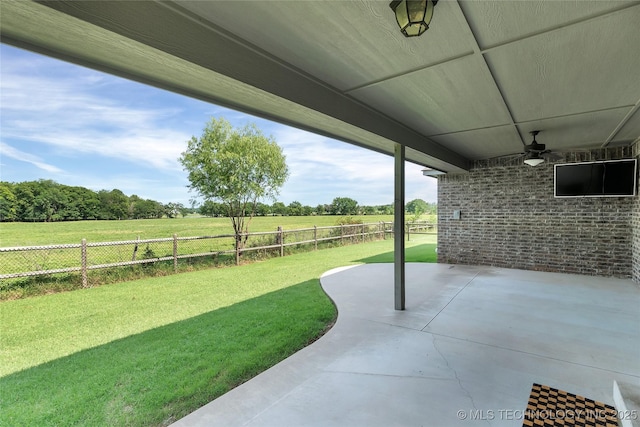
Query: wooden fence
x,y
29,261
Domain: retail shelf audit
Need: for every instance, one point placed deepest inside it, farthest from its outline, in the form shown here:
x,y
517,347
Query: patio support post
x,y
398,228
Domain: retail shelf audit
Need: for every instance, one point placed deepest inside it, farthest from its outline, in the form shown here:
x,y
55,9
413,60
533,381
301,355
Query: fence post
x,y
135,250
408,231
315,237
175,252
237,249
342,234
281,234
362,233
83,262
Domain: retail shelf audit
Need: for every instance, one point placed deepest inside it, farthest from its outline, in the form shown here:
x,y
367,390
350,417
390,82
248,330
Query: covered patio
x,y
458,100
466,351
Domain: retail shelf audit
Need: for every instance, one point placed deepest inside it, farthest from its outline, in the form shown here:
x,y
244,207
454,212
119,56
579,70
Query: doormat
x,y
550,407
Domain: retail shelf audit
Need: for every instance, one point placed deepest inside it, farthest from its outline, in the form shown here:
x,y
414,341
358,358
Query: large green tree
x,y
238,167
8,202
344,206
296,208
417,207
279,208
114,204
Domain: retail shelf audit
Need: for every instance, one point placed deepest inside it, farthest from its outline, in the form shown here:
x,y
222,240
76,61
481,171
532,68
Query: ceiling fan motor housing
x,y
535,147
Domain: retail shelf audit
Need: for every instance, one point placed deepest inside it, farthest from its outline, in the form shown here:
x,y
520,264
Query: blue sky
x,y
81,127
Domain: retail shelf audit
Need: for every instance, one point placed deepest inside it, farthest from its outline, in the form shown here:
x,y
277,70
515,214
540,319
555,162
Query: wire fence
x,y
84,257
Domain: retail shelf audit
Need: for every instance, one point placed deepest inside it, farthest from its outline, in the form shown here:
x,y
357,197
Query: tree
x,y
417,207
8,202
184,211
238,167
212,209
279,208
344,206
172,210
83,204
295,208
114,204
369,210
25,207
386,209
262,209
147,208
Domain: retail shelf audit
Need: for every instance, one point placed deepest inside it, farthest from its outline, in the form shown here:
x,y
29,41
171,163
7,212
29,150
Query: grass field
x,y
147,352
41,233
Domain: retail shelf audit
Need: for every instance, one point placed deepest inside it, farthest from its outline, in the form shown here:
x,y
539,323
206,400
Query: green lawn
x,y
147,352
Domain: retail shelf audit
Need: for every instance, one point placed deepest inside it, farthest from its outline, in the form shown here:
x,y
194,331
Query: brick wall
x,y
509,218
635,225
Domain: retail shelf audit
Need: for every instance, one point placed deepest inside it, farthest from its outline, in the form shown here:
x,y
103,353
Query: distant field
x,y
40,233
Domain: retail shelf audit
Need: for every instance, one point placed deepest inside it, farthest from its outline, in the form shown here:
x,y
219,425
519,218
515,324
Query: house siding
x,y
510,218
635,225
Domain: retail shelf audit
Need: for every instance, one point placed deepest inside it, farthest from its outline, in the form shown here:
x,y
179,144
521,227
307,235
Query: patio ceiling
x,y
484,75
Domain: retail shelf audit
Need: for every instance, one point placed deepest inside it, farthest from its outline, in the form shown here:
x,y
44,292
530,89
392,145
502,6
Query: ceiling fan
x,y
536,153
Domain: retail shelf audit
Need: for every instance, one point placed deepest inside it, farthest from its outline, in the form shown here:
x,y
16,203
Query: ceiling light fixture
x,y
432,172
413,16
533,159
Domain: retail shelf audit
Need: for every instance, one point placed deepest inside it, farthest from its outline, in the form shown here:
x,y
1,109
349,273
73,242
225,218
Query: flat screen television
x,y
611,178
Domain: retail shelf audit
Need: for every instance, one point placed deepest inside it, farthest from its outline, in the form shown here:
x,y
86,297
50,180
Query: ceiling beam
x,y
478,51
623,122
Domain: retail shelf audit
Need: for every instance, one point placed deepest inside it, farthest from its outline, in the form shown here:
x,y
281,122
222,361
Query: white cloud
x,y
9,151
66,114
320,165
307,152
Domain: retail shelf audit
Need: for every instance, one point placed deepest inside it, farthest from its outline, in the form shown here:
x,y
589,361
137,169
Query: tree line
x,y
339,206
46,201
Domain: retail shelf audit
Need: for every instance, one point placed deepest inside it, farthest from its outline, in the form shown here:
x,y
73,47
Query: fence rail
x,y
29,261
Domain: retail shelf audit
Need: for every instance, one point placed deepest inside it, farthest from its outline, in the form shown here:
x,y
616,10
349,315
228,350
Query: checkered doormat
x,y
550,407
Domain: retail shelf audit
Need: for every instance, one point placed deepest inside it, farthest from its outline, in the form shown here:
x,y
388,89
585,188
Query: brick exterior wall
x,y
510,218
635,225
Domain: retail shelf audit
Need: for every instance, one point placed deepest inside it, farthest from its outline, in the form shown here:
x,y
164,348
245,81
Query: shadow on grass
x,y
160,375
419,253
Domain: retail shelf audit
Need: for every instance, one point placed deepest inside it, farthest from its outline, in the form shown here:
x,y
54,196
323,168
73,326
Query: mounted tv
x,y
612,178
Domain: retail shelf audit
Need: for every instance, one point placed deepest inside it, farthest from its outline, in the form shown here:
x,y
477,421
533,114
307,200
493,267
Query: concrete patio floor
x,y
466,351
